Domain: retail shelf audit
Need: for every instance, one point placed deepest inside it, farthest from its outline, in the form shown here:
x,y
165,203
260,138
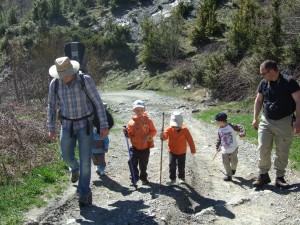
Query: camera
x,y
272,106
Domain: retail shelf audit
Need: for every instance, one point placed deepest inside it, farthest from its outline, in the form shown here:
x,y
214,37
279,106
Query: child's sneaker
x,y
100,170
181,181
171,182
103,173
227,178
145,182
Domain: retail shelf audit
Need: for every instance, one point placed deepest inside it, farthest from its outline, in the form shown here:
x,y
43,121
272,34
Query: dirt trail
x,y
204,199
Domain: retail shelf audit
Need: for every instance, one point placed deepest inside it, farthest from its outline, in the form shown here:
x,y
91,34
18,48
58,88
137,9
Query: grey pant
x,y
230,161
280,132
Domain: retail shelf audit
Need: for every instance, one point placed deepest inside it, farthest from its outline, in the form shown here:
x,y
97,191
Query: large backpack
x,y
76,51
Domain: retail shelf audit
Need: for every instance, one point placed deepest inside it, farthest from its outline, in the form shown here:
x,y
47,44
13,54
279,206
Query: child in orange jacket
x,y
140,131
178,136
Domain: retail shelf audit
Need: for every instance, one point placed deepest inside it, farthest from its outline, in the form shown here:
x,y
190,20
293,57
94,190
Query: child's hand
x,y
161,135
105,150
242,135
125,131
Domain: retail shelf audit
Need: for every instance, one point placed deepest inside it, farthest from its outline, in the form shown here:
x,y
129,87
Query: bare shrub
x,y
23,139
232,85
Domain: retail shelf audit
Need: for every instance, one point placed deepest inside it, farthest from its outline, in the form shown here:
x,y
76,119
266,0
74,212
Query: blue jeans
x,y
68,145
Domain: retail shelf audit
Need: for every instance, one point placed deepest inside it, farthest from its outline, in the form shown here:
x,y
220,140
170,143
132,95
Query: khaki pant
x,y
230,161
280,132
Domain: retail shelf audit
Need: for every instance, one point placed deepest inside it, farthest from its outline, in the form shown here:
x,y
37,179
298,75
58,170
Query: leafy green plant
x,y
242,31
184,9
160,40
206,24
270,40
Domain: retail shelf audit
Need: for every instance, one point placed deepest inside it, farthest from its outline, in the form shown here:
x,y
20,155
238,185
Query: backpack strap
x,y
56,85
96,120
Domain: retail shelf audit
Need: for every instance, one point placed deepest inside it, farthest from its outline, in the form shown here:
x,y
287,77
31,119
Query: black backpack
x,y
96,121
77,51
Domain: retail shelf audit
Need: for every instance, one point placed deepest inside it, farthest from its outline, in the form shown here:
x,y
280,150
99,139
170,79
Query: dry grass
x,y
23,138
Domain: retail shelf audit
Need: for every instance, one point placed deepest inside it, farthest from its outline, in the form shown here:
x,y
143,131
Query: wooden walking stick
x,y
161,151
215,155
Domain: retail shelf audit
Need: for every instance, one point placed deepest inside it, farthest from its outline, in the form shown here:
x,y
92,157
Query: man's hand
x,y
104,132
52,136
297,126
255,124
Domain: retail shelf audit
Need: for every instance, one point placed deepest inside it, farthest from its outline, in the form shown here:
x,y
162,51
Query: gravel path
x,y
204,199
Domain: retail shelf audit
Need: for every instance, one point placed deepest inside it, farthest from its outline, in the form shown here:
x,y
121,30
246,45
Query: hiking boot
x,y
281,183
181,181
233,172
227,178
171,182
74,177
145,182
85,200
262,180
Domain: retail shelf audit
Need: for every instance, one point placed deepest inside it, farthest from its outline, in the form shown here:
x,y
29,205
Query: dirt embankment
x,y
204,199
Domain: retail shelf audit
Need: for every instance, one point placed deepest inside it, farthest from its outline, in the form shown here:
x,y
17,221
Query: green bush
x,y
115,35
206,25
160,42
184,9
242,31
292,54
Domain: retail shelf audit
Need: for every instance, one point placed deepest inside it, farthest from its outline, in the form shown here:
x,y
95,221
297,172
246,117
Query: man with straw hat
x,y
76,114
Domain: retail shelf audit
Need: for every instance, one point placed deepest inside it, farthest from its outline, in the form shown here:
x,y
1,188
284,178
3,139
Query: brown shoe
x,y
281,183
262,180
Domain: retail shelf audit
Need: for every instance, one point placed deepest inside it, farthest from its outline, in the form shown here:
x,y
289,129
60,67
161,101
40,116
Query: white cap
x,y
138,103
176,119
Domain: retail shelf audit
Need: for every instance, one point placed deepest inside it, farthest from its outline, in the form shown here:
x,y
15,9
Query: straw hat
x,y
63,67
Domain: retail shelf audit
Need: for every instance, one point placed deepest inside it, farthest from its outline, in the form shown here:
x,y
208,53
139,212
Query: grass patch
x,y
241,112
30,191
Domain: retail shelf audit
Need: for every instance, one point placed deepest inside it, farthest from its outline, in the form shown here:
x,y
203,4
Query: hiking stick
x,y
130,162
215,155
161,151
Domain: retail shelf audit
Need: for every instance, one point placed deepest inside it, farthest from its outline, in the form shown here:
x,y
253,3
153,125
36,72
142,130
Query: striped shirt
x,y
74,103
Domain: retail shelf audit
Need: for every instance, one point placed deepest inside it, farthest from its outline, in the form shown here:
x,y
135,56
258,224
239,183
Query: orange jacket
x,y
178,140
138,129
